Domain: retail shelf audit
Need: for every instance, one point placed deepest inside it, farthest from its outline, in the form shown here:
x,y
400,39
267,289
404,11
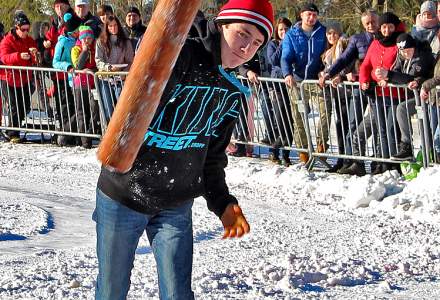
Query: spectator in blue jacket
x,y
300,60
355,52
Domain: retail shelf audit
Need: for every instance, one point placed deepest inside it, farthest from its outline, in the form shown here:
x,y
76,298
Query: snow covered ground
x,y
313,235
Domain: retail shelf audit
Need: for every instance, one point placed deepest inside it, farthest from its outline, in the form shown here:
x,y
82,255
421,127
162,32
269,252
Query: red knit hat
x,y
256,12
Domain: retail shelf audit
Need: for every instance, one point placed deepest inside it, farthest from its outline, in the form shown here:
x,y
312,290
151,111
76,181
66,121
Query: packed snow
x,y
313,235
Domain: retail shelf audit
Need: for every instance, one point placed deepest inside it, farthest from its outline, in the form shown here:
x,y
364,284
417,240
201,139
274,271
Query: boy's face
x,y
239,43
407,53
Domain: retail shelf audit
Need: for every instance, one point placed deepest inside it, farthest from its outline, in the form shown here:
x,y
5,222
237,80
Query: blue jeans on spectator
x,y
110,92
384,109
118,230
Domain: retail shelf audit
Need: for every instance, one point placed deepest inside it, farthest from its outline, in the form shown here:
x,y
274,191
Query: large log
x,y
143,88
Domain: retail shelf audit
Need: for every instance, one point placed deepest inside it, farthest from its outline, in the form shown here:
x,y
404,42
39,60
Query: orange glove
x,y
234,222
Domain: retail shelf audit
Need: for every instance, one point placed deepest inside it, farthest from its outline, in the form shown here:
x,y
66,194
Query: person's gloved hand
x,y
234,222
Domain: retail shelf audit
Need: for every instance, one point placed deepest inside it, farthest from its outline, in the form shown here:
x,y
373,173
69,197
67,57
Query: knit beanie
x,y
133,9
429,6
255,12
405,41
21,19
85,31
71,23
61,2
389,18
310,7
335,26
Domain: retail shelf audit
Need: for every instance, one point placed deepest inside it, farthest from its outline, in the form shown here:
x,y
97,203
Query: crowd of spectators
x,y
386,51
73,40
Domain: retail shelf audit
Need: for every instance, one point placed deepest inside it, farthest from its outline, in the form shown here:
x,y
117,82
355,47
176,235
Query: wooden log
x,y
146,80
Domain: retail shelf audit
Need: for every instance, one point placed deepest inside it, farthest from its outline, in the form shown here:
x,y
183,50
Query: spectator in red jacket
x,y
18,49
382,54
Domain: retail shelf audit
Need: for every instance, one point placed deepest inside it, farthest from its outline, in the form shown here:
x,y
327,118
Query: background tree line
x,y
346,11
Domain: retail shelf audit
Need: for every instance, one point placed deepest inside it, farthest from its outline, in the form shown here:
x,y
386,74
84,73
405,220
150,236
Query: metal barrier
x,y
109,89
46,100
339,122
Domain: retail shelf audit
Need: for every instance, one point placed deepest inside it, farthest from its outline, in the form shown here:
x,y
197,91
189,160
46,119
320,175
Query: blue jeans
x,y
110,92
118,229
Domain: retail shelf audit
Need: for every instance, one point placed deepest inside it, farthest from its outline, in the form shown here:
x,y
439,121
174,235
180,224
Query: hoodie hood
x,y
209,36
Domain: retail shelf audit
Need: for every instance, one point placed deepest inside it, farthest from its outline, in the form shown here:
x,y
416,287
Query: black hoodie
x,y
183,155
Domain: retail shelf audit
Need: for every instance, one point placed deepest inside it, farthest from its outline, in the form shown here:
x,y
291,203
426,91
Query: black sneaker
x,y
380,168
357,168
345,166
405,153
336,167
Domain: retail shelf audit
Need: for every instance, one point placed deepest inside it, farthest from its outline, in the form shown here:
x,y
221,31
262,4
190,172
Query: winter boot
x,y
380,168
405,153
357,168
336,167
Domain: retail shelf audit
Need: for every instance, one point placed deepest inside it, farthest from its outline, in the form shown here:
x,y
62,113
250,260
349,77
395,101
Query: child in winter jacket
x,y
62,60
83,59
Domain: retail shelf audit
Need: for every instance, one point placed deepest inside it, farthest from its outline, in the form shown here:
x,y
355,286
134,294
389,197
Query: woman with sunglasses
x,y
17,49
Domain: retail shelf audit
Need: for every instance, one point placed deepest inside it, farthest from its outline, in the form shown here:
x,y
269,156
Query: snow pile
x,y
352,191
19,220
313,235
419,200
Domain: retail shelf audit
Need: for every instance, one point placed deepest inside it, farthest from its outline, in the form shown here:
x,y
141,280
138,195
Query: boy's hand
x,y
234,222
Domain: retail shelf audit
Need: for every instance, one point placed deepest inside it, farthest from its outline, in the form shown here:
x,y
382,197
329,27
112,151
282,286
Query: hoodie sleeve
x,y
366,66
288,55
216,190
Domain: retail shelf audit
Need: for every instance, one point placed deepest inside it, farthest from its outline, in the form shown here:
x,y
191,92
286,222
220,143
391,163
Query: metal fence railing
x,y
50,101
338,122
